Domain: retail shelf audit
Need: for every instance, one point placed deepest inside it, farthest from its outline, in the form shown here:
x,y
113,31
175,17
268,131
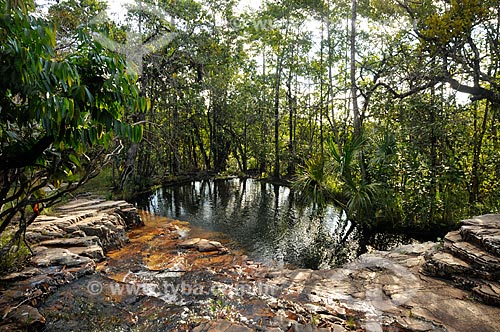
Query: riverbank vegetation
x,y
393,115
387,108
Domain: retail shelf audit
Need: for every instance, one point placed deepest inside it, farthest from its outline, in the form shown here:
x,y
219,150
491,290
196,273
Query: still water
x,y
266,220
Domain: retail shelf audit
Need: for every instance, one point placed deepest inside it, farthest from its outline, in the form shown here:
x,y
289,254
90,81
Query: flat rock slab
x,y
453,237
58,256
387,289
94,252
484,221
96,204
476,256
22,275
74,308
85,241
483,231
78,204
380,291
28,316
444,264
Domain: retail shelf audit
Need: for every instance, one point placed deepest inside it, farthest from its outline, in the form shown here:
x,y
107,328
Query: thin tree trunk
x,y
330,81
291,145
354,90
175,136
477,150
321,97
276,171
358,120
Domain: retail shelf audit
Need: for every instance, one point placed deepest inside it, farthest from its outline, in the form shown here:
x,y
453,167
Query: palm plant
x,y
358,196
339,179
313,183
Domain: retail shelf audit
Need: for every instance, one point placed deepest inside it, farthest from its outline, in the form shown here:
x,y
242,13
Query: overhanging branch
x,y
477,93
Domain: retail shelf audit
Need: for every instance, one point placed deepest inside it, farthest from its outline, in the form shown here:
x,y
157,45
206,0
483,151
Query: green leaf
x,y
74,159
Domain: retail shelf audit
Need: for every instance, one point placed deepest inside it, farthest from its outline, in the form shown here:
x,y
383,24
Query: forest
x,y
389,109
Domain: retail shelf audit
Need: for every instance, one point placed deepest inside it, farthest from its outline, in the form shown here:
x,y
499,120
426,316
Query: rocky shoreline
x,y
96,268
66,246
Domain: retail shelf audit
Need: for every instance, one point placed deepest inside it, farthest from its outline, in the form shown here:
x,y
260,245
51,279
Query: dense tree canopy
x,y
392,115
289,89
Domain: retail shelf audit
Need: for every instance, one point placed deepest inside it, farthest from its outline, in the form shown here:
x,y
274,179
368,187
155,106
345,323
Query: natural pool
x,y
266,220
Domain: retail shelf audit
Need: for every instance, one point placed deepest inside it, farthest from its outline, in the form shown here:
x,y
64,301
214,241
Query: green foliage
x,y
228,82
359,195
262,91
456,22
338,179
313,184
17,255
59,113
219,307
101,185
70,15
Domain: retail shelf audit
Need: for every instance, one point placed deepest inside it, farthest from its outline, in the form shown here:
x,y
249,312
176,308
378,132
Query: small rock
x,y
203,245
208,246
338,328
316,308
188,244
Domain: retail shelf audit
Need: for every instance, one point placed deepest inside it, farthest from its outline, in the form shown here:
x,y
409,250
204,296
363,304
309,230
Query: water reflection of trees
x,y
266,219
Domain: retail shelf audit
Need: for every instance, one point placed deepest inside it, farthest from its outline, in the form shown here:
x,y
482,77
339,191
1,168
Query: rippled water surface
x,y
266,220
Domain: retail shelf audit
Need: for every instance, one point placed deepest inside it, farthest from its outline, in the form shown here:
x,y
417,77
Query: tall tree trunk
x,y
333,121
276,171
175,135
128,170
264,128
310,124
291,143
479,133
210,136
199,140
132,152
194,155
244,149
358,120
354,90
321,96
279,68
